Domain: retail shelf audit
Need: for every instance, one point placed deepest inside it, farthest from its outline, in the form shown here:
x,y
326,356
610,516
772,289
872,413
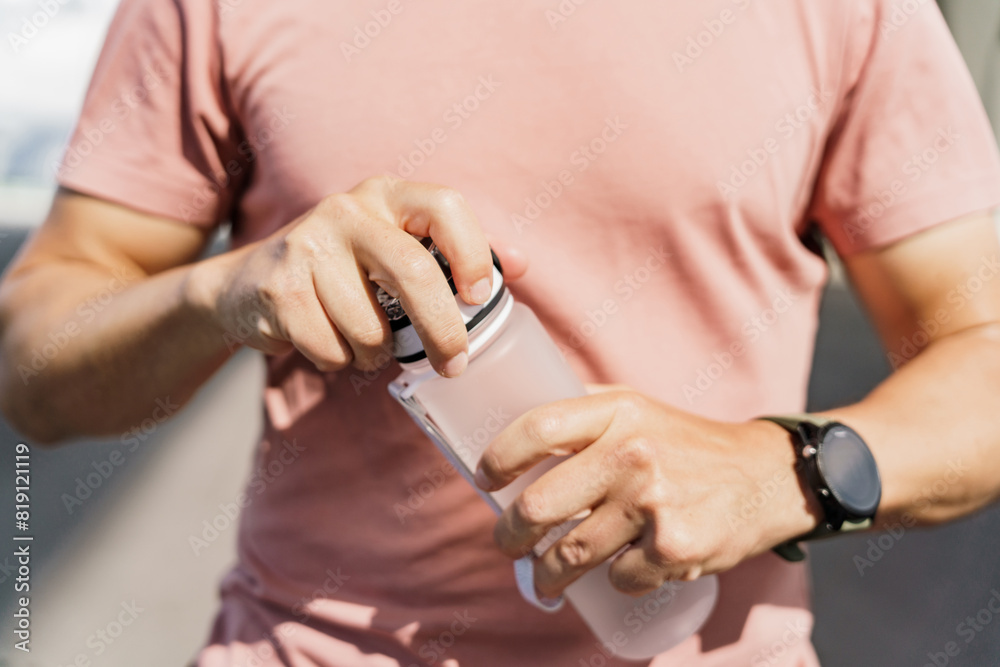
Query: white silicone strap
x,y
524,573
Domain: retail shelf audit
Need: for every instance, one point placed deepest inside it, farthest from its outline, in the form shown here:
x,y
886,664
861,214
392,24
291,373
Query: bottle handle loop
x,y
524,573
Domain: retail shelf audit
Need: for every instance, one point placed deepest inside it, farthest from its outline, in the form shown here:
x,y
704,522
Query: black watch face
x,y
849,470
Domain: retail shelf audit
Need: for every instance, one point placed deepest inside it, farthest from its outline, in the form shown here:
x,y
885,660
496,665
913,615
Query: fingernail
x,y
454,366
480,291
481,481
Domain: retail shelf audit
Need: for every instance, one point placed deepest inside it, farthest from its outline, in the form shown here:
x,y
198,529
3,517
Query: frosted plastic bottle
x,y
515,366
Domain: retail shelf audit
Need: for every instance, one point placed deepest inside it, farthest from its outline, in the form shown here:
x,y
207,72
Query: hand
x,y
683,492
307,286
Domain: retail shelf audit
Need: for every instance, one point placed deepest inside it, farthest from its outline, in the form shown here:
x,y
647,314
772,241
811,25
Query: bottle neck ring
x,y
480,336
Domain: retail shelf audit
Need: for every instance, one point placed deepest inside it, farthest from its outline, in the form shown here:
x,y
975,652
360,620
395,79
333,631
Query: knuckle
x,y
380,180
672,547
339,205
417,268
303,247
283,287
371,181
530,508
312,244
297,238
544,426
378,188
574,552
653,499
637,453
388,182
630,405
451,201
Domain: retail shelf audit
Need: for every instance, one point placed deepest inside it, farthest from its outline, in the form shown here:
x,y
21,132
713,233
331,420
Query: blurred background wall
x,y
113,530
976,26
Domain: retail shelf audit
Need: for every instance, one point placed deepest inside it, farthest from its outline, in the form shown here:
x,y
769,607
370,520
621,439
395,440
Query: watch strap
x,y
791,422
790,550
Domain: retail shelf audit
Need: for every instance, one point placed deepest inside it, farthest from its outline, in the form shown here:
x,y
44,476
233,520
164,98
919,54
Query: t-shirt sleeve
x,y
157,129
911,146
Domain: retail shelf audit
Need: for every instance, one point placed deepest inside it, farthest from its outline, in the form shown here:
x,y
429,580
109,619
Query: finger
x,y
512,259
310,330
400,264
265,334
571,488
350,302
426,209
556,429
643,567
596,539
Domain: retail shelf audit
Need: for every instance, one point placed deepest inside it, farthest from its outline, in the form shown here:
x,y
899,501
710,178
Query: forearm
x,y
91,351
934,428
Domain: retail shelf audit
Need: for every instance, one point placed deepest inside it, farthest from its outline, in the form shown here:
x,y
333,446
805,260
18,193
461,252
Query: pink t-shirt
x,y
657,162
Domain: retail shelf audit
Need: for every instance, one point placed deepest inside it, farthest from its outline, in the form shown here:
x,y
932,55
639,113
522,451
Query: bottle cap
x,y
406,345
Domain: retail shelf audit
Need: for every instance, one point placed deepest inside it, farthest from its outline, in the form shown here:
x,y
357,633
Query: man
x,y
658,163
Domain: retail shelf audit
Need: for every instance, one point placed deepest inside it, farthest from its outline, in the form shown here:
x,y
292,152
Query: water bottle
x,y
513,367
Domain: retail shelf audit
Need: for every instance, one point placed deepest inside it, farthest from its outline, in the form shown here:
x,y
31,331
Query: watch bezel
x,y
836,508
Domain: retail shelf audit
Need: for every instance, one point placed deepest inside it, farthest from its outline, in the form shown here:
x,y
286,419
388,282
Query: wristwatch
x,y
839,467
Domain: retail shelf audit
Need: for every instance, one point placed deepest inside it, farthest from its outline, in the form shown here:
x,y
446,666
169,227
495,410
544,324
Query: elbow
x,y
25,411
37,431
